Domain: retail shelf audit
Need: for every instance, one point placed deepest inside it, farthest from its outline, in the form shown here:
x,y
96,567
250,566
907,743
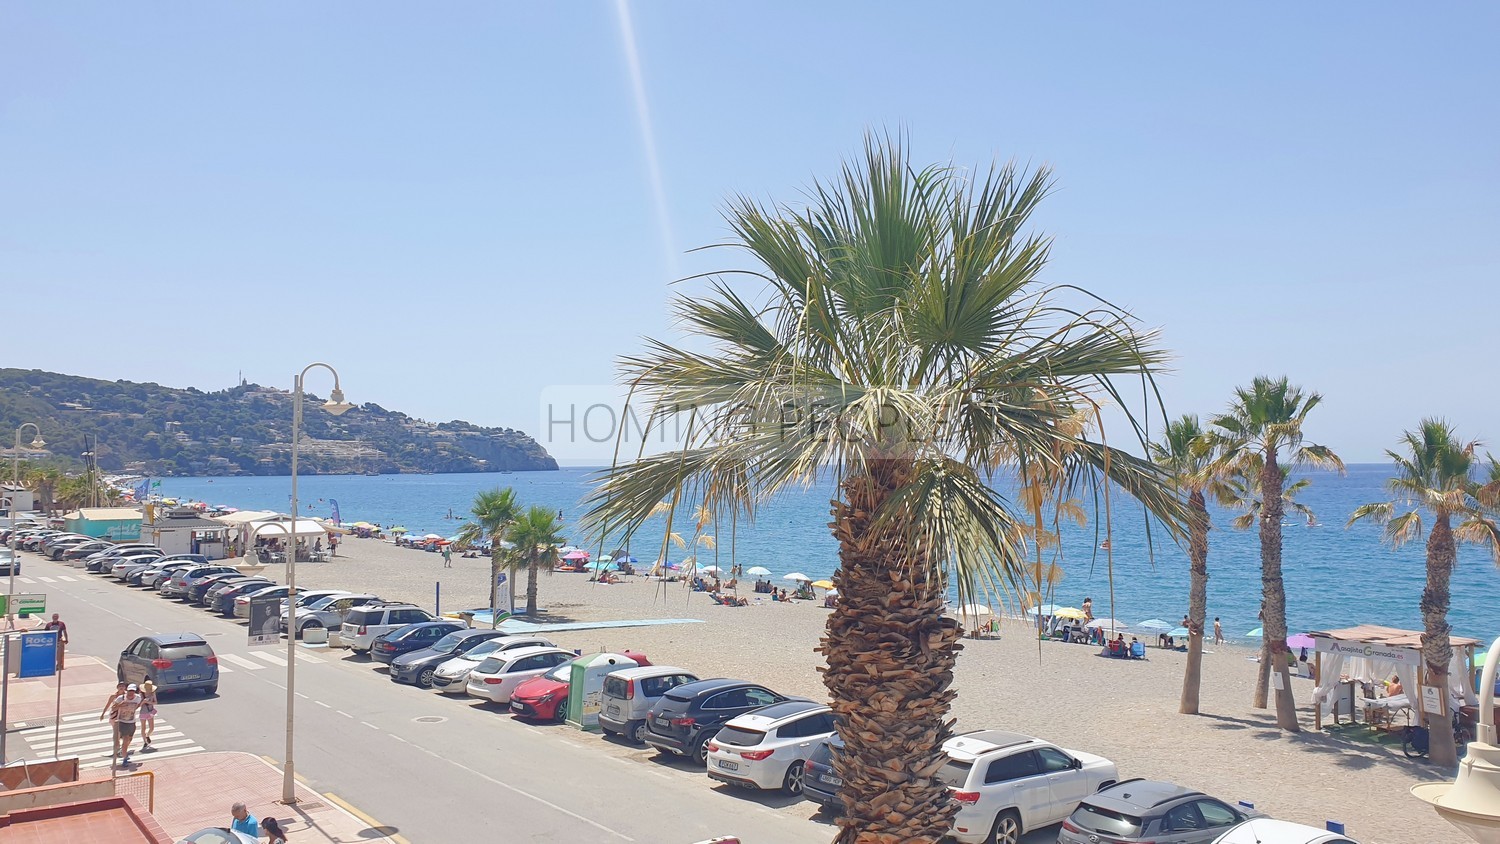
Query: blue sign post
x,y
38,654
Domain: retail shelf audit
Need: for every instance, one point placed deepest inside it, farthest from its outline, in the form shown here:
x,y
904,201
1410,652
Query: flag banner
x,y
335,503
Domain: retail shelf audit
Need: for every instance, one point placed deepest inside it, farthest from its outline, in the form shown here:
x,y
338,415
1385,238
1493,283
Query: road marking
x,y
93,742
26,580
45,579
368,724
373,824
269,657
398,738
345,714
301,695
67,578
241,662
542,800
322,704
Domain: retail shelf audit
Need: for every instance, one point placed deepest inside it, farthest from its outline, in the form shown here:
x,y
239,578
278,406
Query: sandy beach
x,y
1126,711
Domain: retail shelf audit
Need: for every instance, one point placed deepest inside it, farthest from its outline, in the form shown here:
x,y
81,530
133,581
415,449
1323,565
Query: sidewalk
x,y
196,791
87,684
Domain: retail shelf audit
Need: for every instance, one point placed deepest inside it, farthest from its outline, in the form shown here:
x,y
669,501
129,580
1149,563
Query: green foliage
x,y
163,430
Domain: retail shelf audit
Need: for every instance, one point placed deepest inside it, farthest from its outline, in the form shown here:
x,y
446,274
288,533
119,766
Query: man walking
x,y
447,556
62,636
123,711
243,821
113,725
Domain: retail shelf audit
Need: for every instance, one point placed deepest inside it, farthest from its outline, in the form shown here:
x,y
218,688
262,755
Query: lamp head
x,y
336,404
38,442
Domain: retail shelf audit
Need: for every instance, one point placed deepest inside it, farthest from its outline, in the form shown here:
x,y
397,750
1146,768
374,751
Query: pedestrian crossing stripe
x,y
67,578
46,579
26,580
92,742
240,661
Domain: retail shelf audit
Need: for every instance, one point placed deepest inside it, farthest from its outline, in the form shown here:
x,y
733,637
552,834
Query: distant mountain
x,y
151,429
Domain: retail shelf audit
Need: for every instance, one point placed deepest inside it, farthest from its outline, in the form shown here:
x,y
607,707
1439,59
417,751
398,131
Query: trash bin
x,y
315,636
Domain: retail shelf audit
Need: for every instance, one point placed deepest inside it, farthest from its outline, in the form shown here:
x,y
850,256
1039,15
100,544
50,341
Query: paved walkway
x,y
193,792
86,684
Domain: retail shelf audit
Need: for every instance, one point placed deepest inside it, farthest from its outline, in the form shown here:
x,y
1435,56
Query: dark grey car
x,y
173,661
1149,810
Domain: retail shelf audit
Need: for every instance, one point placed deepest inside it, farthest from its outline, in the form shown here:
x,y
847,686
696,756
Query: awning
x,y
278,529
245,517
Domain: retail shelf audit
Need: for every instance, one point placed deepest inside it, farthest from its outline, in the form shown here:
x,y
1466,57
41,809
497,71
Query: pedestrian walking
x,y
447,556
274,833
242,821
123,711
333,551
114,727
148,714
62,636
1218,631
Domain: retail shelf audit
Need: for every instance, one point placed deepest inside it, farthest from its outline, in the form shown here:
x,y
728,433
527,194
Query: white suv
x,y
363,624
769,747
1007,784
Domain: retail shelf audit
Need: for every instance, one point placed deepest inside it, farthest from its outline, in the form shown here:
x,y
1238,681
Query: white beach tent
x,y
277,528
1370,653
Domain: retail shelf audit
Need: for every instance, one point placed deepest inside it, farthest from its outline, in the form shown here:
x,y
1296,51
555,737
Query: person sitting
x,y
1137,650
828,600
1393,686
1117,646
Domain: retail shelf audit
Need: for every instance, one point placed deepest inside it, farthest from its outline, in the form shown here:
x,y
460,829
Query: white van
x,y
629,694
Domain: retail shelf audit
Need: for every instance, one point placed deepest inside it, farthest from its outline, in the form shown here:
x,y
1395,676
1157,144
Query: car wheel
x,y
425,678
792,782
636,732
1007,829
700,751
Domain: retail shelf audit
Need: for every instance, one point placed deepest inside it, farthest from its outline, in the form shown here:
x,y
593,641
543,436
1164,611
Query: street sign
x,y
265,621
38,654
27,604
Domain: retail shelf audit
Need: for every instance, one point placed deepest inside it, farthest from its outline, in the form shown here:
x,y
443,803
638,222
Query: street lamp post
x,y
1472,801
337,406
36,442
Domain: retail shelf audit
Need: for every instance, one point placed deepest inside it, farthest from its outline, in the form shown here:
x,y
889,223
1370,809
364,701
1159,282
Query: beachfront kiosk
x,y
586,687
182,530
1351,663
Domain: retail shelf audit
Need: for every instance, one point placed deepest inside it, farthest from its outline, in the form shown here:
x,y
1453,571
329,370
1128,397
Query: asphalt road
x,y
434,769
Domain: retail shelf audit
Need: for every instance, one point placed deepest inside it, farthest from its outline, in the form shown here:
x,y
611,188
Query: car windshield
x,y
321,602
739,737
1107,821
823,754
183,650
448,643
955,774
562,673
481,650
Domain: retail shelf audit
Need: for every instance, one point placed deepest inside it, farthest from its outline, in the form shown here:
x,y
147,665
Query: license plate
x,y
830,780
728,765
614,710
515,705
190,676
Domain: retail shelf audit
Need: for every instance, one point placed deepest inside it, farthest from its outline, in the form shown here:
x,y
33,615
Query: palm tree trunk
x,y
1192,675
890,651
494,583
1437,650
1273,629
531,572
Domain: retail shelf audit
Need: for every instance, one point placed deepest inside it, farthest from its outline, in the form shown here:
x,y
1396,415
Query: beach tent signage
x,y
1400,656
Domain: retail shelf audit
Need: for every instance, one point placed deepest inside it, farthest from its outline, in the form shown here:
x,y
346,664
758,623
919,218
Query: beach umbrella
x,y
432,536
714,571
398,529
607,559
758,571
1301,640
823,584
797,576
576,555
1069,612
1107,622
1177,632
1044,609
1155,624
1256,633
973,609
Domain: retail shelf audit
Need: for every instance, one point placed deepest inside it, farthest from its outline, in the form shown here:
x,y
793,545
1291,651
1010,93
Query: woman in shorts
x,y
148,713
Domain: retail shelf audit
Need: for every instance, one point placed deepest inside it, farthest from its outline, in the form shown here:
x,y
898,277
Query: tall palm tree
x,y
536,535
1435,475
494,511
899,340
43,481
1187,453
1263,428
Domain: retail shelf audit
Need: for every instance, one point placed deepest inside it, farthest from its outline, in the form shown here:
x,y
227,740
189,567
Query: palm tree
x,y
43,481
1435,474
1187,453
1262,427
494,511
898,340
536,535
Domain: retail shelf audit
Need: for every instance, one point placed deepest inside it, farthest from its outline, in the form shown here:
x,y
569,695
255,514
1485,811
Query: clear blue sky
x,y
452,203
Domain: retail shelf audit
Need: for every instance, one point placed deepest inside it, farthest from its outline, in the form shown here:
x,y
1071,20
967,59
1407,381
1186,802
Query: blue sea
x,y
1334,577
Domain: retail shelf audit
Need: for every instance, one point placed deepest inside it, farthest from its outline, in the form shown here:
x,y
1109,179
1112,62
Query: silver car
x,y
629,694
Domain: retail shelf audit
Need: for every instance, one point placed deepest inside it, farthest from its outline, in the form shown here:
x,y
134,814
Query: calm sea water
x,y
1334,577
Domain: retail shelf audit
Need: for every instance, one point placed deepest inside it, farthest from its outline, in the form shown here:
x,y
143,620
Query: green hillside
x,y
151,429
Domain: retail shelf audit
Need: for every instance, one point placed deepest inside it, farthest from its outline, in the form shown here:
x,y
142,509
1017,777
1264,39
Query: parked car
x,y
126,563
1007,784
184,579
153,575
9,564
362,626
542,698
1271,831
686,717
1140,810
419,666
242,601
83,549
820,782
173,661
217,835
326,612
404,640
498,675
197,594
452,676
629,694
769,747
57,550
220,599
307,596
30,540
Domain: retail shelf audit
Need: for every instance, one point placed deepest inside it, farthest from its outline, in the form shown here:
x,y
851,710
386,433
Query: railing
x,y
140,785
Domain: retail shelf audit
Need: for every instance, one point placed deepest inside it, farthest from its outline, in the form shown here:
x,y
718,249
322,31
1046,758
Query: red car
x,y
544,698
